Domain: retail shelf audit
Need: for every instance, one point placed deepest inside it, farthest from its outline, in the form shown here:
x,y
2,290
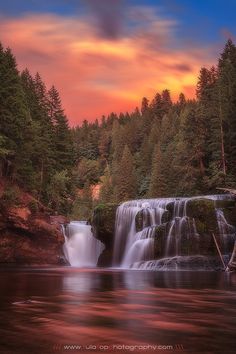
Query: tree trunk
x,y
222,139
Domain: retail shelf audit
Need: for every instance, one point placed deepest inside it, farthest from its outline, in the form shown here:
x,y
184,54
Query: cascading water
x,y
81,248
138,220
131,246
225,229
180,225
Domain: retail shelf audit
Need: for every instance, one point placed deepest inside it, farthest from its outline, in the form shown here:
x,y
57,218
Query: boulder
x,y
160,240
143,219
188,245
103,228
203,211
229,208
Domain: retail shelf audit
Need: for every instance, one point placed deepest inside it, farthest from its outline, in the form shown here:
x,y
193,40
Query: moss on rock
x,y
166,217
230,213
139,221
170,208
103,223
105,258
143,219
203,211
160,241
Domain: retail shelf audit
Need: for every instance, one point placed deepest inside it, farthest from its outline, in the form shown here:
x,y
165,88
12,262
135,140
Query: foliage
x,y
10,196
163,149
35,139
33,206
83,204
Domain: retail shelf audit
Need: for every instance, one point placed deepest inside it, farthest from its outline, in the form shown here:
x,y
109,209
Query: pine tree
x,y
144,105
166,101
106,192
126,177
209,108
117,144
157,186
182,100
156,107
227,98
58,191
42,160
62,135
189,158
83,204
14,114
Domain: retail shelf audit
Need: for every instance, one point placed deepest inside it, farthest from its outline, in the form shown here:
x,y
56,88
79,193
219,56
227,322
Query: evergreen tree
x,y
189,159
14,114
117,145
83,204
209,108
182,148
144,106
62,136
126,178
157,186
106,192
156,107
58,192
166,101
227,97
182,100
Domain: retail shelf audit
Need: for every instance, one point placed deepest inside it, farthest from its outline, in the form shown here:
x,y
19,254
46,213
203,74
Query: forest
x,y
161,149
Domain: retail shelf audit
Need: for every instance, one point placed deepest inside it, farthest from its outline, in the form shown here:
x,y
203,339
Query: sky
x,y
105,55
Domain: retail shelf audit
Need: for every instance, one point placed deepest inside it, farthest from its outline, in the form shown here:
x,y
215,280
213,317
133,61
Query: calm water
x,y
111,311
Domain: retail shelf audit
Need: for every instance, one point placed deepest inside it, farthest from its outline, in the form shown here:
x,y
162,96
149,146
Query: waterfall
x,y
225,229
179,226
132,246
135,232
81,249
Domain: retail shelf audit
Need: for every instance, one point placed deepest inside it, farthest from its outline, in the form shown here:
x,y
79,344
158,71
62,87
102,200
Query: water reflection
x,y
99,307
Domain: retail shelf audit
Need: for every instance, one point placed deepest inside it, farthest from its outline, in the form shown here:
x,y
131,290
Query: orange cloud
x,y
96,75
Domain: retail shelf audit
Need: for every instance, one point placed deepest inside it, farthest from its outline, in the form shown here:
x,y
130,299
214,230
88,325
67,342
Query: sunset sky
x,y
105,55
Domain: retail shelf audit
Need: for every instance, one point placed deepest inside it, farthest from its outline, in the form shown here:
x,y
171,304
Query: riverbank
x,y
29,234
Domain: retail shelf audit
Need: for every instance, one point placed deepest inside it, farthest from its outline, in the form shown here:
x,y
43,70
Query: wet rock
x,y
161,233
103,228
203,211
184,247
230,212
198,263
166,217
143,219
105,258
170,208
139,221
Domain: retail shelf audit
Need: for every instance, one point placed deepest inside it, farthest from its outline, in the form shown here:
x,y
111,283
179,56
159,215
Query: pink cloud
x,y
96,75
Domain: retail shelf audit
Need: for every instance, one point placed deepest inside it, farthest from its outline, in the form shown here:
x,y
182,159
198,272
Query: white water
x,y
197,262
134,247
81,249
225,229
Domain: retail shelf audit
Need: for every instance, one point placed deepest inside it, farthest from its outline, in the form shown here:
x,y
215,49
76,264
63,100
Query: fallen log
x,y
229,190
218,250
232,263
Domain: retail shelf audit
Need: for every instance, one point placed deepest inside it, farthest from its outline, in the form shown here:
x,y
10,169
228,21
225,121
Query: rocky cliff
x,y
28,235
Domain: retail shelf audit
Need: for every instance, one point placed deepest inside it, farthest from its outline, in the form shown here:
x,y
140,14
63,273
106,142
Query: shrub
x,y
10,197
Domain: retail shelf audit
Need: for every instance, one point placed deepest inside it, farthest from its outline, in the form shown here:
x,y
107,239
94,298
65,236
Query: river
x,y
70,310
